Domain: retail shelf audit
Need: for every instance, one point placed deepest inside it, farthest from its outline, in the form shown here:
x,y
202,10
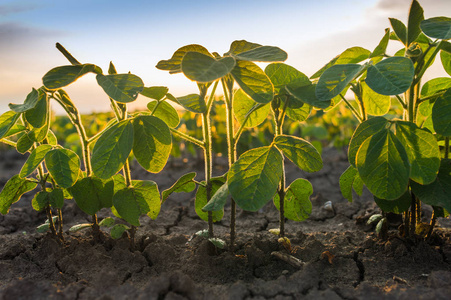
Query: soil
x,y
341,257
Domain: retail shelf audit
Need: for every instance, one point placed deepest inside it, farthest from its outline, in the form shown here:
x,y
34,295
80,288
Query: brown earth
x,y
342,258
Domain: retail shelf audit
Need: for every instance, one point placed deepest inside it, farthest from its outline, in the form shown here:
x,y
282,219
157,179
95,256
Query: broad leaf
x,y
183,184
63,165
61,76
152,142
253,179
242,104
352,55
133,202
218,200
112,149
375,103
300,152
201,201
436,193
56,198
282,75
122,88
397,206
441,112
383,165
382,47
7,121
193,103
40,201
349,180
392,76
446,61
422,150
13,190
155,92
241,46
204,68
173,65
413,26
299,114
297,205
307,94
33,161
24,143
434,86
92,194
335,79
263,54
38,115
165,112
29,103
253,81
437,28
118,230
400,30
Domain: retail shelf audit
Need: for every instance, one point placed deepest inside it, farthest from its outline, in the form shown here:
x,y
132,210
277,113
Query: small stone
x,y
328,206
285,272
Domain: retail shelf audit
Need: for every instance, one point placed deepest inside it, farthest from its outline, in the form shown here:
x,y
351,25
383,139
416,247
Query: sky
x,y
136,34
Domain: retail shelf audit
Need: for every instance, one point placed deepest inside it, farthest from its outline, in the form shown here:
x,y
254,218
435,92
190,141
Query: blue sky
x,y
135,35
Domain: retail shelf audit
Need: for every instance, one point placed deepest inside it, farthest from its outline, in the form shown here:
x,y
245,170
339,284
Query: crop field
x,y
330,186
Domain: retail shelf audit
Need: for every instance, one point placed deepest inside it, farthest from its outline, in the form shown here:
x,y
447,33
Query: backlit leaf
x,y
253,179
400,30
122,88
118,230
112,149
165,112
40,201
61,76
242,104
183,184
63,165
204,68
300,152
375,104
308,95
92,194
446,61
37,116
382,47
7,121
282,75
29,103
201,201
33,161
218,200
263,54
441,112
193,103
173,65
438,28
434,86
24,144
391,76
155,92
297,205
348,180
152,142
413,26
13,190
397,206
299,114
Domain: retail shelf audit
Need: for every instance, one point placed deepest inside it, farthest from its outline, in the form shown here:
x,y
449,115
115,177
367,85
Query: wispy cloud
x,y
14,8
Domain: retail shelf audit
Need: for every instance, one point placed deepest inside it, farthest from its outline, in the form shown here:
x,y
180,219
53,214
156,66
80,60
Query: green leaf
x,y
107,222
300,152
155,92
201,201
79,227
242,104
122,88
375,103
297,205
152,142
397,206
416,16
382,47
348,180
434,86
12,191
142,198
436,193
24,144
218,242
262,53
61,76
299,114
349,56
165,112
92,194
446,61
307,94
51,138
112,149
335,79
282,75
241,46
392,76
422,150
253,179
253,81
38,115
383,165
63,165
67,102
193,103
400,30
56,198
441,112
218,200
7,121
39,134
33,161
173,65
40,201
183,184
204,68
118,230
29,103
437,28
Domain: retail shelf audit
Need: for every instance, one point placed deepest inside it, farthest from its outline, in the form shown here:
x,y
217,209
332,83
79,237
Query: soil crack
x,y
361,268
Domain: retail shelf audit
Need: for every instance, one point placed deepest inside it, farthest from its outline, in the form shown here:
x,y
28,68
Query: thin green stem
x,y
188,138
353,110
66,53
206,129
436,95
155,108
403,104
446,147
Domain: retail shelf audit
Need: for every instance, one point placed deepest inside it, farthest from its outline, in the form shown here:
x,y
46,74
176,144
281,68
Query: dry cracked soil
x,y
341,256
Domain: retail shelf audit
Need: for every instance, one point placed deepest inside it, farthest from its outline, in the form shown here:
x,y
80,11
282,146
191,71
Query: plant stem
x,y
420,74
403,104
66,53
206,128
353,110
431,224
446,147
60,217
412,216
188,138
